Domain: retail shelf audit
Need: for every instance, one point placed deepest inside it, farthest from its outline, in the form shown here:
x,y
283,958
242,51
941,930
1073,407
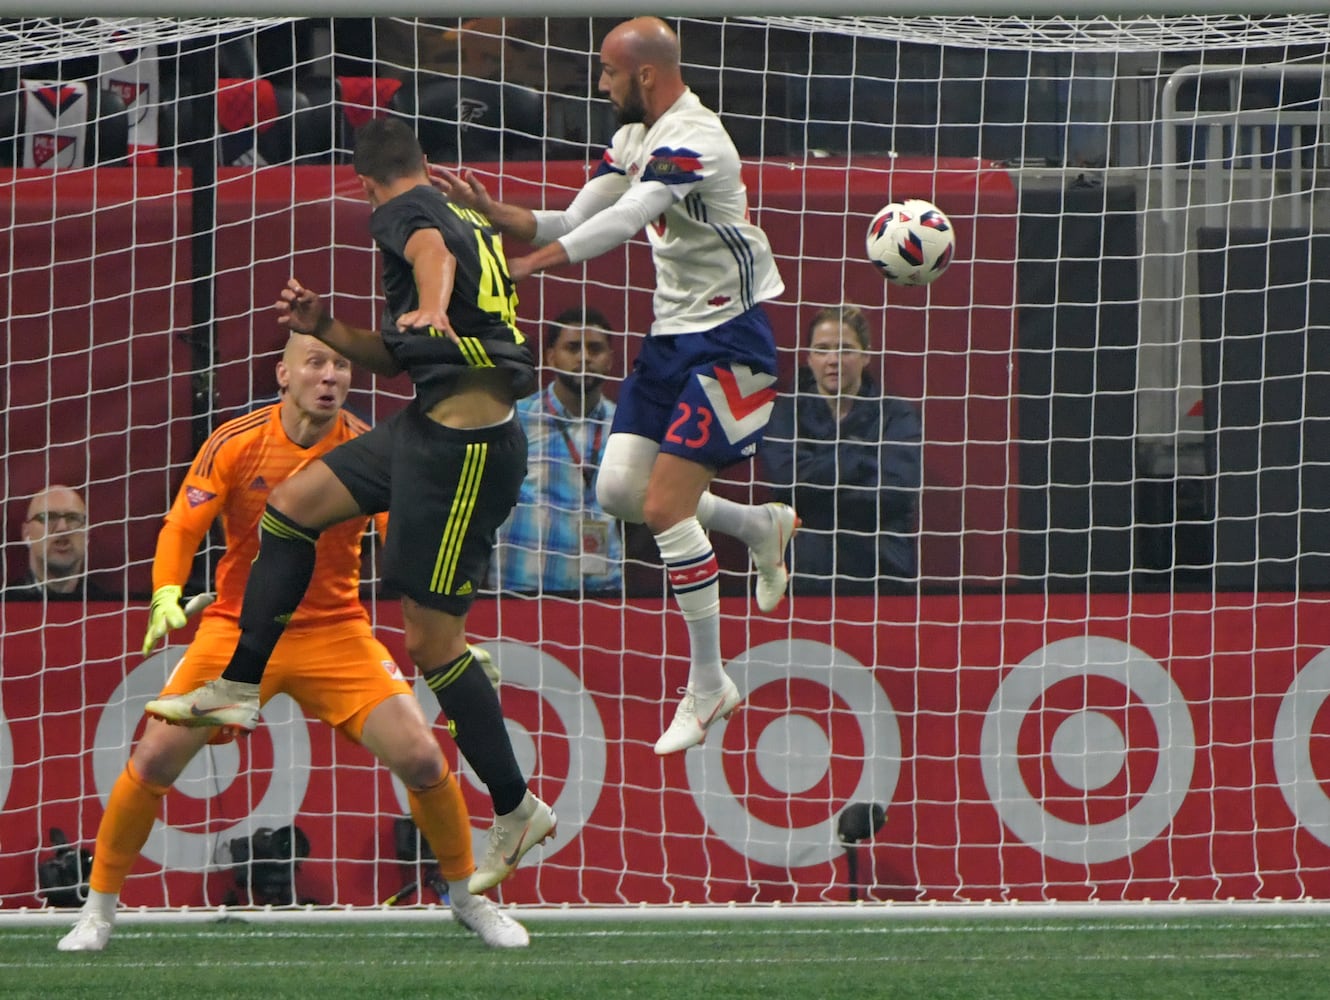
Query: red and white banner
x,y
1161,746
55,123
134,74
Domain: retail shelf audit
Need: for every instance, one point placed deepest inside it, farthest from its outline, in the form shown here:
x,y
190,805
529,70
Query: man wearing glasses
x,y
55,531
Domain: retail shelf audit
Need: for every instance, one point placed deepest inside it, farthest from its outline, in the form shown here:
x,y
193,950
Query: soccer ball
x,y
911,242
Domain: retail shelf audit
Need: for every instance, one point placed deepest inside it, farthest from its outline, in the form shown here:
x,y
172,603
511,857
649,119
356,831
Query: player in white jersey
x,y
702,389
682,176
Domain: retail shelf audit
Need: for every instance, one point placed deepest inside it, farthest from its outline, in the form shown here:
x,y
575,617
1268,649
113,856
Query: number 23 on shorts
x,y
691,426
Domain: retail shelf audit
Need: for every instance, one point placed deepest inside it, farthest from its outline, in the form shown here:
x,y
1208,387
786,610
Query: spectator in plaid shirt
x,y
558,537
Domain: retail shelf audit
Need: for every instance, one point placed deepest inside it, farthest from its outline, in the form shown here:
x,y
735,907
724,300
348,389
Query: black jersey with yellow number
x,y
482,309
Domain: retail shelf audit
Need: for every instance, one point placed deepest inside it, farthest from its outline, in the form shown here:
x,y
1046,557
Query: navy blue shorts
x,y
704,396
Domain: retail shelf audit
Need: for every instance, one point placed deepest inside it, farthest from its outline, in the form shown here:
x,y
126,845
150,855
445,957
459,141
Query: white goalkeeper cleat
x,y
233,705
484,919
511,836
90,934
695,715
769,556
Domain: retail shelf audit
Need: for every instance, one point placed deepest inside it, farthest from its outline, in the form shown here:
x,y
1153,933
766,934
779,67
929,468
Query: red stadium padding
x,y
950,347
97,367
967,719
105,300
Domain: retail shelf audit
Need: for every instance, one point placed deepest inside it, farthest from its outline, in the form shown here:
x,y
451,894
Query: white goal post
x,y
1096,668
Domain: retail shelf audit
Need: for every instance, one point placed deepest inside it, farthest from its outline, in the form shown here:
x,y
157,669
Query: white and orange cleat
x,y
511,836
232,705
695,716
769,556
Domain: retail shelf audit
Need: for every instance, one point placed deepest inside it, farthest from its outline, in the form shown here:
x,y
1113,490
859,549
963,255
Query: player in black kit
x,y
447,468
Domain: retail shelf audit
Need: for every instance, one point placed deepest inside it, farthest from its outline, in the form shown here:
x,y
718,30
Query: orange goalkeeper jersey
x,y
231,477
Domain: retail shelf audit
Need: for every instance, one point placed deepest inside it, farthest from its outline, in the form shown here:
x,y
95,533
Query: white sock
x,y
695,579
458,892
743,521
102,904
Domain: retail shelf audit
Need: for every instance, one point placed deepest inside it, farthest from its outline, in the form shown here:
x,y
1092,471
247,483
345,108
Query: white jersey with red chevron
x,y
712,263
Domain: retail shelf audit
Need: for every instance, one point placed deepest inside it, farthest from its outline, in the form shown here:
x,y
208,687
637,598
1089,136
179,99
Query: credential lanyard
x,y
588,468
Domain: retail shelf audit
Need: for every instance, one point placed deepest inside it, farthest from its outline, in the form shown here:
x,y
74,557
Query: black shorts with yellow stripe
x,y
446,492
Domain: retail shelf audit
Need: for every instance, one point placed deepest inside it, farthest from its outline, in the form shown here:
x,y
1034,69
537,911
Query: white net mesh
x,y
1215,32
28,40
1087,666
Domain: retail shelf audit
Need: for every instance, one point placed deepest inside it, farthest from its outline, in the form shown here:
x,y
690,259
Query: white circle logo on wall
x,y
793,754
1291,746
6,758
1088,749
210,773
562,692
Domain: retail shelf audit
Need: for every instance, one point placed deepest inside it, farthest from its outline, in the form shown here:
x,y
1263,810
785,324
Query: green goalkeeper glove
x,y
488,665
165,613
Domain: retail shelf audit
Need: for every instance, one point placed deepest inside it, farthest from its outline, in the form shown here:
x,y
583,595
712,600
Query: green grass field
x,y
1007,958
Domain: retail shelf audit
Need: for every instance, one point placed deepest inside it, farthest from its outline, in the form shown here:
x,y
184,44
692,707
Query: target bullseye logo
x,y
217,785
6,758
556,732
1302,721
1087,750
765,781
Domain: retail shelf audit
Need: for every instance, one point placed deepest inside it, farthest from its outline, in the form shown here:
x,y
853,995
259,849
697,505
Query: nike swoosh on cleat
x,y
704,726
511,860
784,539
200,713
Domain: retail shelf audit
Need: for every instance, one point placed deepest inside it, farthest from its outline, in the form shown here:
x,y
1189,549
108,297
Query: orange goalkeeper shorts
x,y
337,672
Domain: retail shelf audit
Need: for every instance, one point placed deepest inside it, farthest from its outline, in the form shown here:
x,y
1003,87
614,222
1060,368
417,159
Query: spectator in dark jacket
x,y
848,459
55,532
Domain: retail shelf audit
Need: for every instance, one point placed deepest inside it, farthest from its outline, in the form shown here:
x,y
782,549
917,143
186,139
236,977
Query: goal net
x,y
1058,628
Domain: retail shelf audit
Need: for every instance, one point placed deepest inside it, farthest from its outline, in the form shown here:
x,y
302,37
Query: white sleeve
x,y
618,223
596,195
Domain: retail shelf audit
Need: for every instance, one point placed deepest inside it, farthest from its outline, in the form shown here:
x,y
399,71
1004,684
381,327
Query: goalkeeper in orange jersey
x,y
327,660
448,468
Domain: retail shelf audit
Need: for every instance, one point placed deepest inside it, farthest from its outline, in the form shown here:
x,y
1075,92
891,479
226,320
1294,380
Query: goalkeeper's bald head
x,y
312,373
